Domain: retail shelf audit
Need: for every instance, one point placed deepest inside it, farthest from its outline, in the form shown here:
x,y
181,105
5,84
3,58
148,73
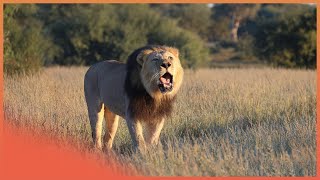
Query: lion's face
x,y
161,72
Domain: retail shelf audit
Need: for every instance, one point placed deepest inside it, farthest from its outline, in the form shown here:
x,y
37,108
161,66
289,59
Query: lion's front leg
x,y
135,130
153,131
112,121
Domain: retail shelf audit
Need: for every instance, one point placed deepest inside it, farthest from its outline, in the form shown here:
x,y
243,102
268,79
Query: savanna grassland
x,y
226,122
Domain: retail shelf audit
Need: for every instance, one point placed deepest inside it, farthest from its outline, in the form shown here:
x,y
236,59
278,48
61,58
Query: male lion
x,y
141,91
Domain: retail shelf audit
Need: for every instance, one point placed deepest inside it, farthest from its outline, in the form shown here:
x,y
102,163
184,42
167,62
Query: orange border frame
x,y
164,1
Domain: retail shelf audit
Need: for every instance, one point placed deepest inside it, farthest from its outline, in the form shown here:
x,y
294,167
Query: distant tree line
x,y
37,35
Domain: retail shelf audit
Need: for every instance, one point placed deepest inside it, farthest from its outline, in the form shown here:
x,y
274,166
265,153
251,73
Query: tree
x,y
25,46
90,33
235,14
287,40
193,17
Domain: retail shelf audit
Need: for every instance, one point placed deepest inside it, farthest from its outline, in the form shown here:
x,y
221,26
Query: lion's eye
x,y
170,57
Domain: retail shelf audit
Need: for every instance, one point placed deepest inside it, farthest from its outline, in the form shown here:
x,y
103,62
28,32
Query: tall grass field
x,y
226,122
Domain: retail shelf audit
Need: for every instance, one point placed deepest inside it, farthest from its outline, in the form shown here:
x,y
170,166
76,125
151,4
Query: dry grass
x,y
227,122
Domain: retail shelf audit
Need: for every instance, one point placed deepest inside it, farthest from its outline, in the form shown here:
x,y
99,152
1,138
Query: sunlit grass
x,y
226,122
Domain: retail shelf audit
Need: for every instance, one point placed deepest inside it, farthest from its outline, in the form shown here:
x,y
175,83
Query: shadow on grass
x,y
187,130
125,149
192,132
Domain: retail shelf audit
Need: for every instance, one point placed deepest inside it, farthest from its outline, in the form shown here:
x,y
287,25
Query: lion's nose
x,y
166,65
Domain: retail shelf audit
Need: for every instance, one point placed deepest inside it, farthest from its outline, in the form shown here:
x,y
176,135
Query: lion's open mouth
x,y
166,83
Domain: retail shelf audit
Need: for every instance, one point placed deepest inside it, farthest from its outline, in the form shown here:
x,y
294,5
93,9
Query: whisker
x,y
154,76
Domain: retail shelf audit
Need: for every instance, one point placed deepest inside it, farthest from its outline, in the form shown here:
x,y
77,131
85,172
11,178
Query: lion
x,y
141,91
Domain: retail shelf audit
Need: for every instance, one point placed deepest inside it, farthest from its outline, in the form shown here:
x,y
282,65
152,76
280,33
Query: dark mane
x,y
141,104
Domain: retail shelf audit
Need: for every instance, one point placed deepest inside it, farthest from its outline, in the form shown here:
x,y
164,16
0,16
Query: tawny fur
x,y
114,89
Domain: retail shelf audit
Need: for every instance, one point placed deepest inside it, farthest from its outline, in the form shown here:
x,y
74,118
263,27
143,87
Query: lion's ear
x,y
174,51
143,55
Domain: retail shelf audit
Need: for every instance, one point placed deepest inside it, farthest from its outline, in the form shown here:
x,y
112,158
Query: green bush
x,y
25,47
288,41
192,17
245,47
83,34
92,33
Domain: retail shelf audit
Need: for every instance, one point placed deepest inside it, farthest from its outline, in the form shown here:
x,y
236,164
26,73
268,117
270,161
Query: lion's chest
x,y
147,109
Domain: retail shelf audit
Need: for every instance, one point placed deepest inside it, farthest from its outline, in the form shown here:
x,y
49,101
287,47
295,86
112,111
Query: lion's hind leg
x,y
112,121
95,108
96,120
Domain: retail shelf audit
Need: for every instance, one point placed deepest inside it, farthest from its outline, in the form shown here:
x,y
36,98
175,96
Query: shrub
x,y
25,47
92,33
288,41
